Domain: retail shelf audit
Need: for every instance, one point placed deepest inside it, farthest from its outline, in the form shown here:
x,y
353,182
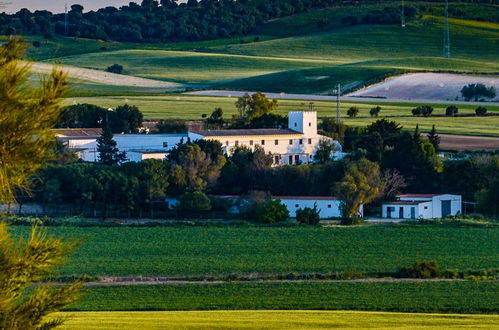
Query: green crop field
x,y
192,107
178,251
434,297
274,320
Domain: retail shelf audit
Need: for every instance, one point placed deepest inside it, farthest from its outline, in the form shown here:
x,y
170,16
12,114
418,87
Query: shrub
x,y
374,112
195,201
271,211
451,111
353,112
307,215
481,111
421,269
115,68
424,110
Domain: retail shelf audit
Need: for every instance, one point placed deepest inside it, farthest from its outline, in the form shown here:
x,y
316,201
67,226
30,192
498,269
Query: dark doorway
x,y
413,212
445,208
401,212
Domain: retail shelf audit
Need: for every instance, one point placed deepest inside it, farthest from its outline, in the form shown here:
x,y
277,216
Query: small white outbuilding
x,y
422,206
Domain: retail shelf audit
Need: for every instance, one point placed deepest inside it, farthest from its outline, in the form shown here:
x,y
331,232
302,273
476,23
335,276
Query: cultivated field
x,y
431,297
436,86
274,320
193,106
188,251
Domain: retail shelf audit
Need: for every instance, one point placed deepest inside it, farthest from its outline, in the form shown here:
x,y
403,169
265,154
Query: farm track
x,y
105,281
313,97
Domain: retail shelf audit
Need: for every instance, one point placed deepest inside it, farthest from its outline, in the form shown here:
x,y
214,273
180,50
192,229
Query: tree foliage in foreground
x,y
22,307
27,115
26,118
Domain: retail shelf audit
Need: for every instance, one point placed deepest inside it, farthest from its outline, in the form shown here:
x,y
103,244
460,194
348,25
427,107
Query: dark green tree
x,y
374,112
451,110
309,216
434,138
352,112
109,154
481,111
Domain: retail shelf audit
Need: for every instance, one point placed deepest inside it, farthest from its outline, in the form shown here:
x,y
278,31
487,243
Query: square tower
x,y
303,121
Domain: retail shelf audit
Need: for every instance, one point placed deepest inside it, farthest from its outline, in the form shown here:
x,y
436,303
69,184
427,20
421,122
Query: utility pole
x,y
446,31
66,19
338,93
402,14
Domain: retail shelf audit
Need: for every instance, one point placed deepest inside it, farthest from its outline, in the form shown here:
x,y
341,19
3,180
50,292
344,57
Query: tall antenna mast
x,y
338,92
446,31
402,14
66,19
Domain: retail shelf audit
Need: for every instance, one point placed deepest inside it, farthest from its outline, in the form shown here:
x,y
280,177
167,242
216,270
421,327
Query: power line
x,y
402,14
446,31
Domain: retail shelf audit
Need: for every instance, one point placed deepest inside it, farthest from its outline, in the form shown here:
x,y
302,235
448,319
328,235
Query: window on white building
x,y
291,141
309,141
227,143
328,206
297,205
165,144
309,124
263,142
236,143
301,141
276,142
276,159
290,159
251,142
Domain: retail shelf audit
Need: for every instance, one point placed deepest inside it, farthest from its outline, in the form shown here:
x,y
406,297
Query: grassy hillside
x,y
269,250
306,63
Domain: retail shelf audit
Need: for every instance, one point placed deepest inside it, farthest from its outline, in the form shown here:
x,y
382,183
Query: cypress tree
x,y
109,154
434,138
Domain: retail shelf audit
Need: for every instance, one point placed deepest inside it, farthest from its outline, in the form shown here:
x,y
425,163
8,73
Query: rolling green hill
x,y
310,63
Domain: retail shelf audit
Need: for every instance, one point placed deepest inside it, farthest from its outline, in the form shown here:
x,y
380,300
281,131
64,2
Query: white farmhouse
x,y
296,144
422,206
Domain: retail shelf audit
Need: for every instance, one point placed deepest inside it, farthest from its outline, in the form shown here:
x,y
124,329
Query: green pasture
x,y
303,63
472,40
187,67
192,107
178,251
274,320
427,297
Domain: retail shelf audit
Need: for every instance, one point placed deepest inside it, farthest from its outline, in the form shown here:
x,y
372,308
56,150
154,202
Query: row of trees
x,y
159,21
123,119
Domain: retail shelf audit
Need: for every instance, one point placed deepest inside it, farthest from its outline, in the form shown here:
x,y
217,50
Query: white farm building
x,y
296,144
328,207
422,206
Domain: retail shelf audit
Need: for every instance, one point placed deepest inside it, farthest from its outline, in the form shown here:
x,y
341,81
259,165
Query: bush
x,y
353,112
421,269
424,110
374,112
115,68
451,111
195,201
271,211
307,215
481,111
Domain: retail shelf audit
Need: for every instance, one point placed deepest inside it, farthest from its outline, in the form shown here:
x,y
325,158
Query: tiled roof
x,y
78,132
418,195
249,132
285,197
405,203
